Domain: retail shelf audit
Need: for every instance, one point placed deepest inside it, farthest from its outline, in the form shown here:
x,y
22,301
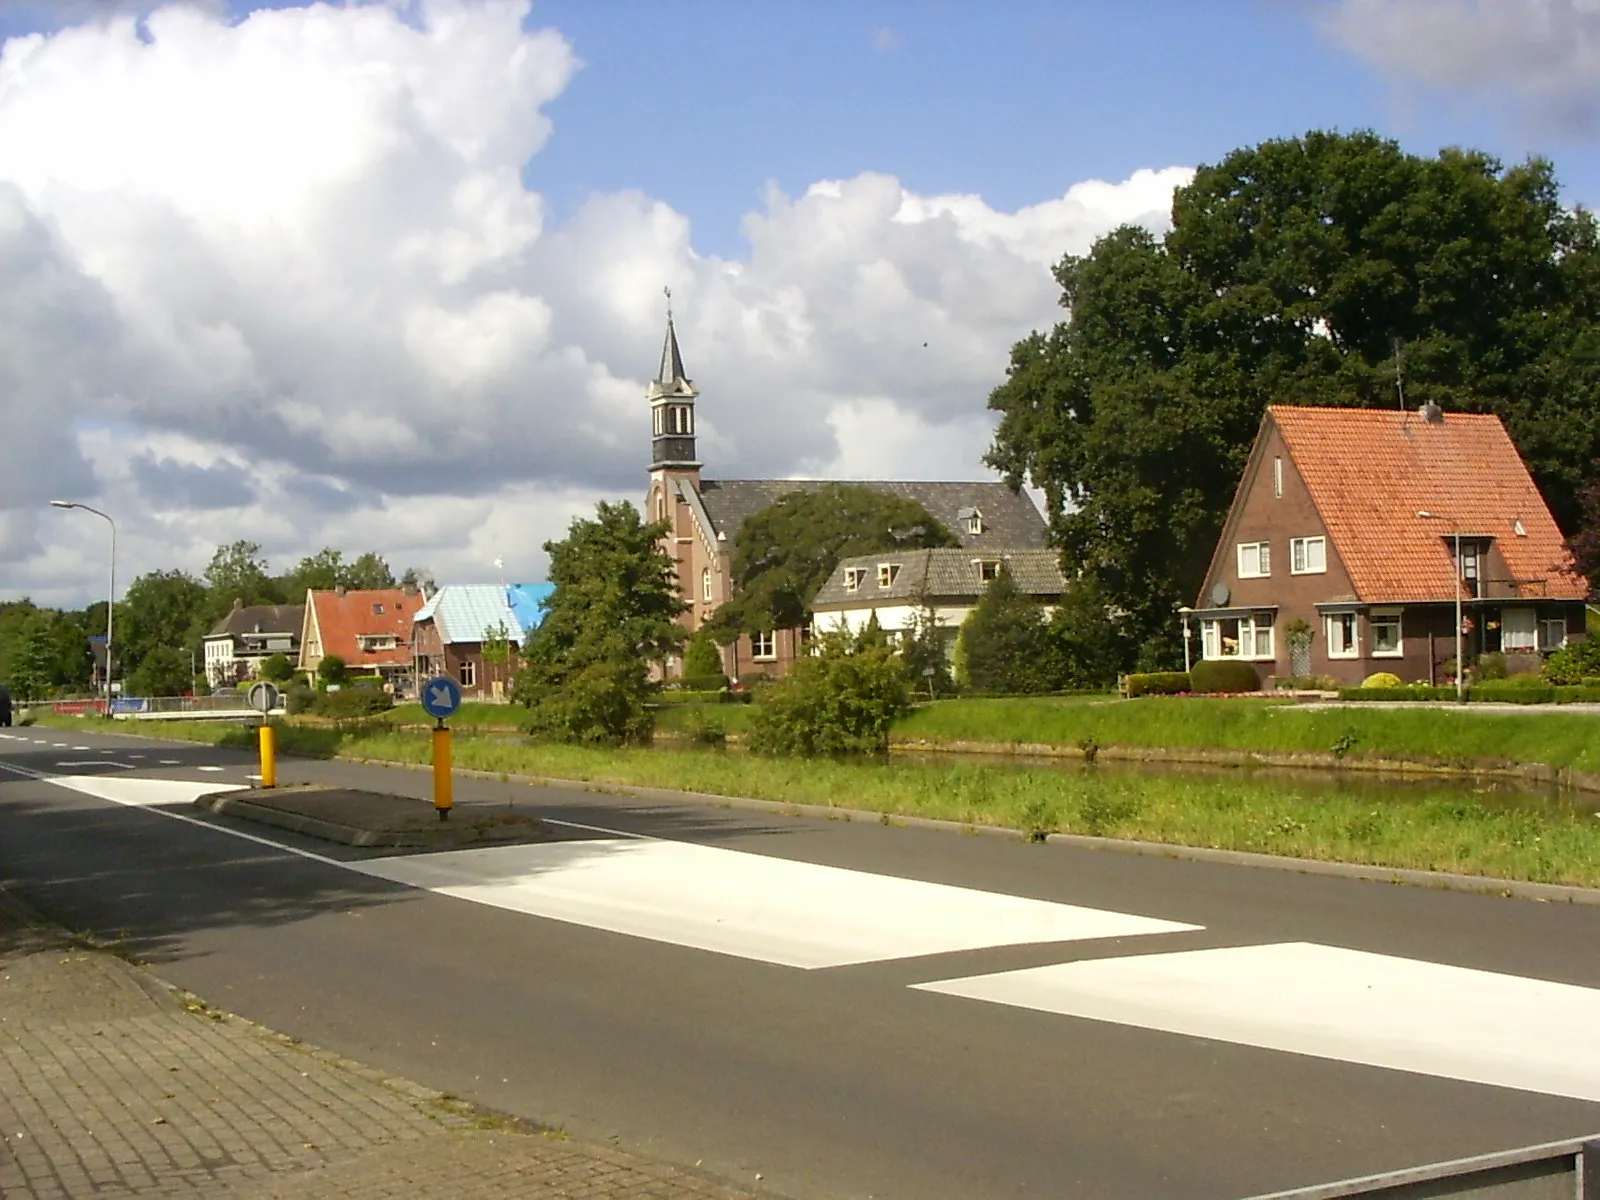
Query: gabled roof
x,y
1371,471
261,618
468,613
1010,519
343,617
943,574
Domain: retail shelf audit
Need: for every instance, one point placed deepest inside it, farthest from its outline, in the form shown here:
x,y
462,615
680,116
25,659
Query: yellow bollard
x,y
442,782
269,756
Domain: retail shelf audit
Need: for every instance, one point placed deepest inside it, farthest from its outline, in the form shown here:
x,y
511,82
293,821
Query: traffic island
x,y
374,819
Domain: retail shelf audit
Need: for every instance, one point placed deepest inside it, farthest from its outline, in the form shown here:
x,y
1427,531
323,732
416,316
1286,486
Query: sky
x,y
389,275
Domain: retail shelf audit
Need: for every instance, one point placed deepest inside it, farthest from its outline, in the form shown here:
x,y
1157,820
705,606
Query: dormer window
x,y
971,520
377,610
988,569
853,577
887,574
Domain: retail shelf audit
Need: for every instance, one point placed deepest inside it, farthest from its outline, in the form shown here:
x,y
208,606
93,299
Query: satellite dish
x,y
1220,593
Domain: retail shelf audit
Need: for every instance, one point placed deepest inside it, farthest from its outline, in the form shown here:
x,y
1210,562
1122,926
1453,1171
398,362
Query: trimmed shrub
x,y
1383,679
1588,693
352,703
1158,683
1573,663
1309,683
703,658
1416,691
1506,692
277,668
1222,675
684,696
697,683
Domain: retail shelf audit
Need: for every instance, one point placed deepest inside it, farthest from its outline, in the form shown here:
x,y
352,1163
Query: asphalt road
x,y
843,1080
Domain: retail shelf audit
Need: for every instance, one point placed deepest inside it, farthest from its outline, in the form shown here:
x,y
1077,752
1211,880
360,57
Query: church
x,y
704,516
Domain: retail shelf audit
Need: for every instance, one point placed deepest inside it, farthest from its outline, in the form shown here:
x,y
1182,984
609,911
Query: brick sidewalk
x,y
112,1084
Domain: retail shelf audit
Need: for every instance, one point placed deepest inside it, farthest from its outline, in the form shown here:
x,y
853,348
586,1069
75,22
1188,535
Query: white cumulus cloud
x,y
1541,55
282,279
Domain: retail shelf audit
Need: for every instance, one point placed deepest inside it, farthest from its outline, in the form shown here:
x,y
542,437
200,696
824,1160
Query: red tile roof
x,y
1370,471
343,618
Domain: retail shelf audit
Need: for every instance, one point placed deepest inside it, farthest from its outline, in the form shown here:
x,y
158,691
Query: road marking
x,y
99,762
1328,1002
85,749
135,756
208,768
170,762
775,910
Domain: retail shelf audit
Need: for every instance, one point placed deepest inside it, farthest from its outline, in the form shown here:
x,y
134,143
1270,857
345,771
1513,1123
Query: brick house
x,y
450,630
249,635
369,629
705,516
1347,521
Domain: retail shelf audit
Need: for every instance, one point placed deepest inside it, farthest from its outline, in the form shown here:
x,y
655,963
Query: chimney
x,y
1432,413
237,604
340,590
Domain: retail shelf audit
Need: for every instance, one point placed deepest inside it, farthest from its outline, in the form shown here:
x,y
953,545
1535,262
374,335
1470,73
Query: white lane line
x,y
98,762
208,768
40,742
170,762
775,910
81,749
1327,1002
135,756
772,910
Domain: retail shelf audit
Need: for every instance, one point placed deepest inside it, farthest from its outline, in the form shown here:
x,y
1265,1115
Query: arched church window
x,y
705,583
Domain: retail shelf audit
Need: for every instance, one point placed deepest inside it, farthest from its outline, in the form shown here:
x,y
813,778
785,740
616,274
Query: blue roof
x,y
472,612
529,601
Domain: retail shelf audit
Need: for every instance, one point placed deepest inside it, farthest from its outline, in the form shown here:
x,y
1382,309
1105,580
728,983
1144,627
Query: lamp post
x,y
1455,533
1184,611
111,594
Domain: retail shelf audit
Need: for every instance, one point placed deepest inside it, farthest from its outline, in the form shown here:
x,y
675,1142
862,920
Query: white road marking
x,y
170,762
135,756
775,910
208,768
1334,1003
85,749
98,762
57,745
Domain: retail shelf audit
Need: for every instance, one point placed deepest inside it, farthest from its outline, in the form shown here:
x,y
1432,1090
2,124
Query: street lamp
x,y
111,595
1183,611
1455,533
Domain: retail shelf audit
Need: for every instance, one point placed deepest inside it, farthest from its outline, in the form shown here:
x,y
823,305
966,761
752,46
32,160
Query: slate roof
x,y
1370,471
343,617
1010,519
261,618
944,574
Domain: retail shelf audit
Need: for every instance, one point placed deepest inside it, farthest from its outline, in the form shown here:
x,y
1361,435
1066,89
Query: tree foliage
x,y
327,569
1585,540
702,659
239,574
1007,644
613,611
840,699
161,609
1292,272
785,553
162,671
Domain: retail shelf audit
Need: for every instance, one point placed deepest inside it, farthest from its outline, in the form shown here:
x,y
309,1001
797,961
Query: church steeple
x,y
672,395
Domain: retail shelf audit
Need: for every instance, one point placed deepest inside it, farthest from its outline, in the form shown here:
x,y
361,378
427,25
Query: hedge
x,y
352,702
1413,692
697,683
1494,692
1220,675
685,696
1157,683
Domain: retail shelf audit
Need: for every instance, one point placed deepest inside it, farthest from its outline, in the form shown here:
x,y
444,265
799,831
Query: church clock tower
x,y
672,396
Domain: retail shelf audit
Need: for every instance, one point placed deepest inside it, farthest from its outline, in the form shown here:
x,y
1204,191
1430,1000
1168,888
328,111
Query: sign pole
x,y
269,754
443,784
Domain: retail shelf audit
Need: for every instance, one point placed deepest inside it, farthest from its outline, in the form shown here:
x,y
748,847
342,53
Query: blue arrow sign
x,y
441,697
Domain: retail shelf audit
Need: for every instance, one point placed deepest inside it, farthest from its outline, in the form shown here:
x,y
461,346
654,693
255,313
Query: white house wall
x,y
891,617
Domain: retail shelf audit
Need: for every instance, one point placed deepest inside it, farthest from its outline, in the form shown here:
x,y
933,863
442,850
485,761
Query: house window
x,y
1277,476
853,577
1255,560
1343,633
1519,630
661,506
988,569
1469,568
1308,556
705,583
1238,637
764,646
377,610
975,522
887,574
1386,636
1552,633
468,674
376,641
680,419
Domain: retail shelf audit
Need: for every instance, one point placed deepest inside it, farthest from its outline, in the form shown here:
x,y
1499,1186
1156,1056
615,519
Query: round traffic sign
x,y
262,696
441,697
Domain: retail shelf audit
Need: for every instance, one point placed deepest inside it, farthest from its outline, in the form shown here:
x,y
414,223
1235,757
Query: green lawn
x,y
1424,734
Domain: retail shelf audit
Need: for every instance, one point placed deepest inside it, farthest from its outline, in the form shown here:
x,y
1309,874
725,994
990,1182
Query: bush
x,y
330,670
1008,646
683,696
352,703
300,698
839,700
1159,683
1572,663
1309,683
277,668
1581,694
1491,666
698,683
705,728
1224,675
603,703
703,658
1382,679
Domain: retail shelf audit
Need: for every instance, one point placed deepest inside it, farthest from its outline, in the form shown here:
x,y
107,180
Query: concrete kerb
x,y
1439,880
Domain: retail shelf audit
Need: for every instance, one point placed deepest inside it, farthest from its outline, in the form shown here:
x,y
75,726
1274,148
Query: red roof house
x,y
370,630
1361,525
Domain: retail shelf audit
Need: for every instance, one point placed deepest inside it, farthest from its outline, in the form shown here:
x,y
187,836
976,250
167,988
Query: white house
x,y
239,643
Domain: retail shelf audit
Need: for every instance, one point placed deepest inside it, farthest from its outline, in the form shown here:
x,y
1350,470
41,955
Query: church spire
x,y
671,395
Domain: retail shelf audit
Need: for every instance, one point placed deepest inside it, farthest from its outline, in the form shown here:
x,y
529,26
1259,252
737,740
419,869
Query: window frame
x,y
764,646
1546,645
853,577
888,572
1249,627
1263,559
705,585
975,523
1353,650
467,673
989,569
1301,546
1277,477
1505,630
1393,616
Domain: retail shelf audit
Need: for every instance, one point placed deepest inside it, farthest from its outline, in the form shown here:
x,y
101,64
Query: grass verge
x,y
1437,828
1434,735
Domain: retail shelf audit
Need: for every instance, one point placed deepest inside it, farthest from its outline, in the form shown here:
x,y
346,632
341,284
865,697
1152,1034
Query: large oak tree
x,y
1312,270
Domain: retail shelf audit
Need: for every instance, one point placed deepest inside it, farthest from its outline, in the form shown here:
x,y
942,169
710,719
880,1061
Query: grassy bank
x,y
1431,735
1441,828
